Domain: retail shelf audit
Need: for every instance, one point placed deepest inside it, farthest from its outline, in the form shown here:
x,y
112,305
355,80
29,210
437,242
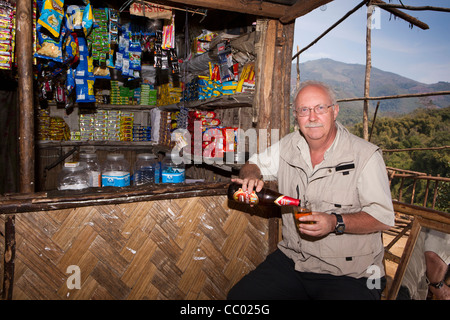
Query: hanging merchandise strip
x,y
155,11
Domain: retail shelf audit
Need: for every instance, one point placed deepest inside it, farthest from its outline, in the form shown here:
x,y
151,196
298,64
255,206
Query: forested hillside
x,y
422,128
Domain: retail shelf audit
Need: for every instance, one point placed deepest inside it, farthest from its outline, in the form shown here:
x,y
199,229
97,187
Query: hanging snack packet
x,y
49,48
85,90
51,17
70,81
74,18
88,20
70,49
134,54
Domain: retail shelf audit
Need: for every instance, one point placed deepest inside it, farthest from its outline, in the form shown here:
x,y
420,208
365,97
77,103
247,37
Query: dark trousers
x,y
276,279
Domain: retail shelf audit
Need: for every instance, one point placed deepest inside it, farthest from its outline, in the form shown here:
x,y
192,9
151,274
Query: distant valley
x,y
348,82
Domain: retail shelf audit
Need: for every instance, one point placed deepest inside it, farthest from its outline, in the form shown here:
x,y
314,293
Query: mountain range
x,y
348,82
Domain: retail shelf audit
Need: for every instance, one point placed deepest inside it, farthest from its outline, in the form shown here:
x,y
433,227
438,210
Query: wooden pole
x,y
24,45
367,76
398,96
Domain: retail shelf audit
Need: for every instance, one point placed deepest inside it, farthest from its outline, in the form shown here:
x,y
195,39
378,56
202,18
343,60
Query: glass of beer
x,y
304,209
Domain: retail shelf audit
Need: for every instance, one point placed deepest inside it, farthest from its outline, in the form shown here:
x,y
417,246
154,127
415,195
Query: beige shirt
x,y
351,178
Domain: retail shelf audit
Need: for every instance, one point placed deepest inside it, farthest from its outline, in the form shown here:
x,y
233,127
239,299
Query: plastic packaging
x,y
73,176
172,172
93,169
146,169
116,171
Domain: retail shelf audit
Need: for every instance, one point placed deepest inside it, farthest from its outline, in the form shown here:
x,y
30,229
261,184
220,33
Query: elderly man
x,y
339,255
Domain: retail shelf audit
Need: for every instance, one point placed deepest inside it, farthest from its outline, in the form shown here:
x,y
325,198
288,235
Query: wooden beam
x,y
24,48
413,8
264,9
300,8
397,96
401,14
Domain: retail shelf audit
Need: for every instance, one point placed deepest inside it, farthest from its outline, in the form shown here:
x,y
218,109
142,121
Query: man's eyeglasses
x,y
319,109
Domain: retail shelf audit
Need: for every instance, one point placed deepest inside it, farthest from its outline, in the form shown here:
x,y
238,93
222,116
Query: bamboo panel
x,y
189,248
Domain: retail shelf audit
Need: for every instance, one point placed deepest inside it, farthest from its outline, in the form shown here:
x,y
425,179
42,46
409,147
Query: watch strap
x,y
340,225
436,285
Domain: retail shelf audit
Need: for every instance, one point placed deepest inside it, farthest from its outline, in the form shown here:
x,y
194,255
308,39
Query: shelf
x,y
147,145
225,101
244,99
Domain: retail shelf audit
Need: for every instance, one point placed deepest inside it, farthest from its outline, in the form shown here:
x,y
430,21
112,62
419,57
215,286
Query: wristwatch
x,y
340,225
437,285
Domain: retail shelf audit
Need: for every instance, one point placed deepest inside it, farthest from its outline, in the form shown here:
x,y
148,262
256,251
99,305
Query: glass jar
x,y
172,172
93,169
73,176
115,171
145,169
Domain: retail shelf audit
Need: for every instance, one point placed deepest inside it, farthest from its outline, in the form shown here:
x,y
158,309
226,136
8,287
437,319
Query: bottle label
x,y
286,201
173,176
241,196
116,179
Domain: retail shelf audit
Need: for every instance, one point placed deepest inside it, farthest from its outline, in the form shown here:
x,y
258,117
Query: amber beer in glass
x,y
304,209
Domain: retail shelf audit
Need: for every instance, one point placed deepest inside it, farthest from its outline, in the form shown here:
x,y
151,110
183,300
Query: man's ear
x,y
336,111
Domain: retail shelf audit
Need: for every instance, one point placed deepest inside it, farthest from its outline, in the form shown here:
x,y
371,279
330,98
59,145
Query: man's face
x,y
316,127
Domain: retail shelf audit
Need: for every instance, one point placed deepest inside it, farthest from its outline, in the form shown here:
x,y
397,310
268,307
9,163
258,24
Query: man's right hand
x,y
250,178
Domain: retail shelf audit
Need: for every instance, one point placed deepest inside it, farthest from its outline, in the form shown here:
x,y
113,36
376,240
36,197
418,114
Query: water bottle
x,y
116,171
172,172
73,176
145,169
93,169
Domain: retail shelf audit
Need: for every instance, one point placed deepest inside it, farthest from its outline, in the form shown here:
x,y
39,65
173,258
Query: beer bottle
x,y
264,197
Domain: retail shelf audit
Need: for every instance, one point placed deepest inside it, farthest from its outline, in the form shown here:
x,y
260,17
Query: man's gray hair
x,y
321,84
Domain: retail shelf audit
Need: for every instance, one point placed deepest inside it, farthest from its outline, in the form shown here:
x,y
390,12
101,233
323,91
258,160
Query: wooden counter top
x,y
54,200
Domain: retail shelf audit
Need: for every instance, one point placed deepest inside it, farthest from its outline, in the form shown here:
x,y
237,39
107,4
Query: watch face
x,y
340,228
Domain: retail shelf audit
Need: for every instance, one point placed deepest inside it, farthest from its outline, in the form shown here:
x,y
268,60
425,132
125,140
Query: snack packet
x,y
51,17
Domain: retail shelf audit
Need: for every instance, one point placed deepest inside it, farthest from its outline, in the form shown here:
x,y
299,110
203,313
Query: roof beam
x,y
300,8
265,9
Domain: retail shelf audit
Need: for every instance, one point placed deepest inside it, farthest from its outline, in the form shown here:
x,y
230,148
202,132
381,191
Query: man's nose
x,y
312,115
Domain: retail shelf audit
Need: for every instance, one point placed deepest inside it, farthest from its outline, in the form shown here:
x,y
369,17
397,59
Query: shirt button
x,y
330,171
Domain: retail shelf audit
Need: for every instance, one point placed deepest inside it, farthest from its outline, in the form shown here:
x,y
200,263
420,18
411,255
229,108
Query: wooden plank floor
x,y
192,248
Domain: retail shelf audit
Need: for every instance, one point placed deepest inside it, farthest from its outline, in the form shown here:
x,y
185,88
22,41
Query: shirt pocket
x,y
338,200
346,246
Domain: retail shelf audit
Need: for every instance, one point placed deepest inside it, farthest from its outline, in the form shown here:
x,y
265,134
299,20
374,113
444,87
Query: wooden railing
x,y
432,184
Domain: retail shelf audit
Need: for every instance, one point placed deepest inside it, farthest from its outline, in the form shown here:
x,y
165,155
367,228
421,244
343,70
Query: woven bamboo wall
x,y
191,248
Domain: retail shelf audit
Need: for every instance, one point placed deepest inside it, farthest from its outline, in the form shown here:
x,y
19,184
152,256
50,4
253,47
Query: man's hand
x,y
323,224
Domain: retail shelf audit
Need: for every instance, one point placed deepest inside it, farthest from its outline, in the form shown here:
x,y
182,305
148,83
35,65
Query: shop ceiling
x,y
284,10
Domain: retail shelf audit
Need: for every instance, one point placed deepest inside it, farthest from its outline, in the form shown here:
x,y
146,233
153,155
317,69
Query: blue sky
x,y
421,55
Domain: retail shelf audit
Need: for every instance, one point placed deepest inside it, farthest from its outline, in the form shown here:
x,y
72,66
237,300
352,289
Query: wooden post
x,y
24,45
271,104
367,76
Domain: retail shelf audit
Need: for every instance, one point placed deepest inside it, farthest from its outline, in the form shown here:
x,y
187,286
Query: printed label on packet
x,y
241,196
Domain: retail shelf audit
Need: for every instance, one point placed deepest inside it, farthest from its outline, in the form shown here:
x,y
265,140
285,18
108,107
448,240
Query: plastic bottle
x,y
73,176
264,197
93,169
145,169
172,172
116,171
